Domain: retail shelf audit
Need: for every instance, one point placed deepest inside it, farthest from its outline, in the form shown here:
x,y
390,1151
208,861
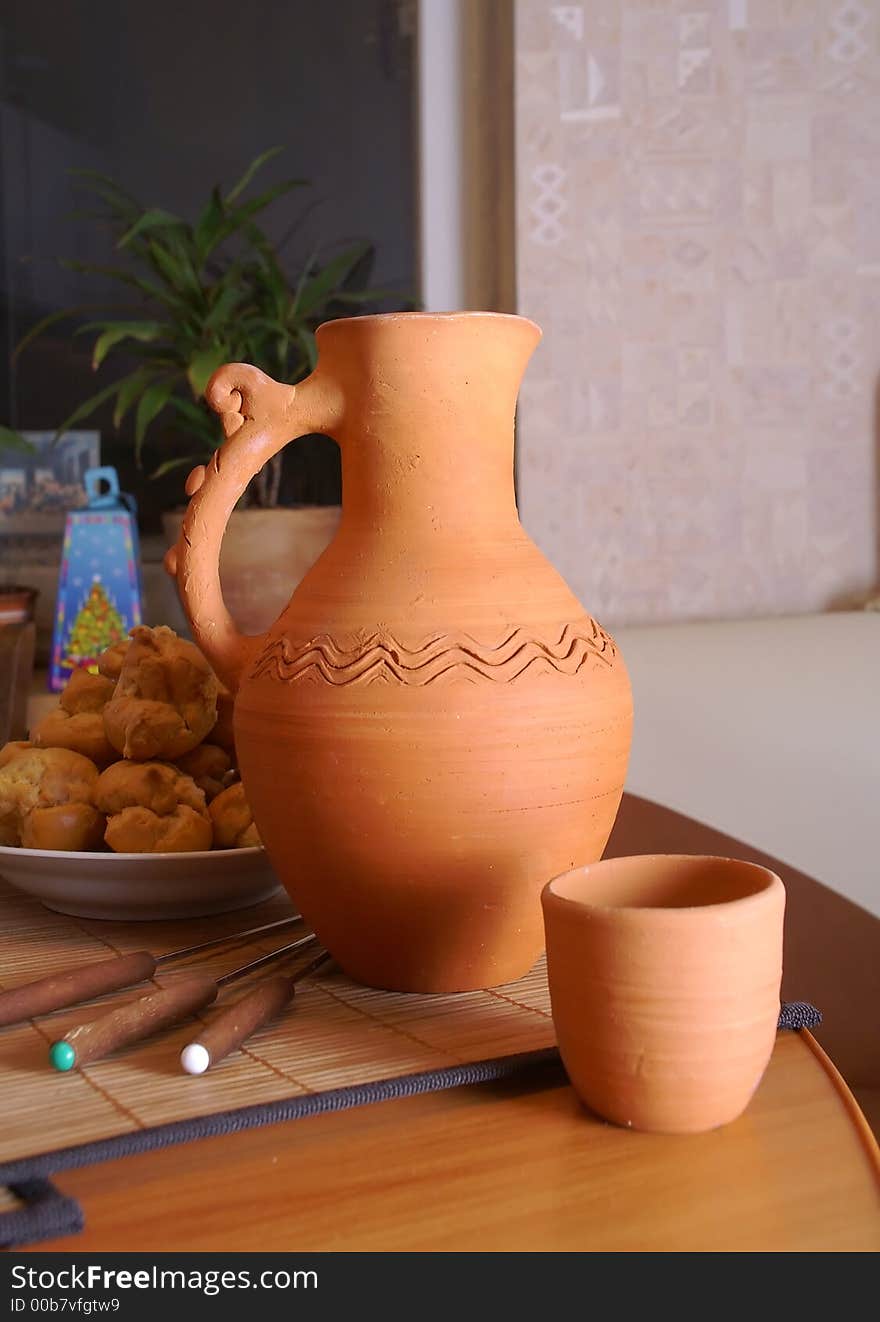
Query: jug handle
x,y
259,417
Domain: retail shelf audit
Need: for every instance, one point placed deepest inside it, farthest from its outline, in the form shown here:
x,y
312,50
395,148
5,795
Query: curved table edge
x,y
855,1112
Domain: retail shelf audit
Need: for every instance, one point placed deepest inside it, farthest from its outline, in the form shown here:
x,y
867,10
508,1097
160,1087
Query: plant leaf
x,y
255,165
85,410
176,269
46,323
228,299
301,282
203,365
153,219
126,277
108,182
151,402
128,390
320,286
79,213
13,440
198,420
169,465
269,324
208,224
122,213
269,269
364,295
310,349
160,355
105,323
235,220
124,330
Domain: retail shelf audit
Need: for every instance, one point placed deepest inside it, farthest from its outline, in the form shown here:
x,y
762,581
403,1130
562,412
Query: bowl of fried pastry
x,y
126,802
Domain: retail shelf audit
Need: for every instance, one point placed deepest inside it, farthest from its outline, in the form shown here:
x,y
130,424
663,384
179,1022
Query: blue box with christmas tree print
x,y
99,584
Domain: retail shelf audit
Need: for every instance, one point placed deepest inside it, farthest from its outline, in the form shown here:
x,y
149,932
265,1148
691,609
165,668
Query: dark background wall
x,y
170,98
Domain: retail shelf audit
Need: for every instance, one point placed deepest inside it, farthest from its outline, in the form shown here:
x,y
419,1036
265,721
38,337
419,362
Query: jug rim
x,y
464,315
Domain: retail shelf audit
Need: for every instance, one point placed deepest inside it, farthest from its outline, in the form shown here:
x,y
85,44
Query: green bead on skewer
x,y
62,1056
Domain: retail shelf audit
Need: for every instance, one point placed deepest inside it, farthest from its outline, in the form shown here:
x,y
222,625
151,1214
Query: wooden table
x,y
526,1167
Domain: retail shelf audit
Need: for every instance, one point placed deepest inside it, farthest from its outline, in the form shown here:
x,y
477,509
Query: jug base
x,y
477,975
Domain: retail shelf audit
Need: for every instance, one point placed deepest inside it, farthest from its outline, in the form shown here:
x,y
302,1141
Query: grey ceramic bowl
x,y
141,886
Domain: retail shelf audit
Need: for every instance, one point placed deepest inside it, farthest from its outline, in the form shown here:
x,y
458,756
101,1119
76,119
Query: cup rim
x,y
772,882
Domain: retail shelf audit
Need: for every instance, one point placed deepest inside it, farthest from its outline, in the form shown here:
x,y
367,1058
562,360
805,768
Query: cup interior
x,y
662,881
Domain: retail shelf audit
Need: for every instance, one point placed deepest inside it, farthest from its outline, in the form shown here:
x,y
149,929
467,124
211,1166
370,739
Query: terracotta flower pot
x,y
16,603
664,979
265,554
434,726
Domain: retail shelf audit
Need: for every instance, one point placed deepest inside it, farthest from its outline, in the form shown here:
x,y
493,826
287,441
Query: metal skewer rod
x,y
235,1024
158,1009
222,940
246,969
59,990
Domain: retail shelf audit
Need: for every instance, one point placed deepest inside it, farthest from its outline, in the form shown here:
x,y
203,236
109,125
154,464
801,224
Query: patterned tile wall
x,y
698,232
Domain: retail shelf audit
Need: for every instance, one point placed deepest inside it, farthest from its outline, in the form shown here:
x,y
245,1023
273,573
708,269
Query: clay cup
x,y
664,974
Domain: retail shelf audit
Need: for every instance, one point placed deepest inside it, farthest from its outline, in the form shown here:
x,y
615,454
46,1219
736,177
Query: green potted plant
x,y
205,293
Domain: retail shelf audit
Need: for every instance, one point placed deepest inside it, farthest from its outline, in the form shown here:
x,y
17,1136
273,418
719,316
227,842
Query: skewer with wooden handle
x,y
76,985
233,1026
148,1014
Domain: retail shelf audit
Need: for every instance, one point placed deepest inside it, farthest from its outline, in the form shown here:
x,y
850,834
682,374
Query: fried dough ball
x,y
110,661
13,749
152,808
85,692
77,722
233,820
210,768
154,785
139,831
41,778
76,826
165,700
82,733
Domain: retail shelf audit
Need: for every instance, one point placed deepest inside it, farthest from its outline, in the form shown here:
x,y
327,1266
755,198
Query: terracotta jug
x,y
434,726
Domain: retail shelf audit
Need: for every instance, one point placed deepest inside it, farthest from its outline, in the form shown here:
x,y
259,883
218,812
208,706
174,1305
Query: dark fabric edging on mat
x,y
219,1123
30,1172
45,1214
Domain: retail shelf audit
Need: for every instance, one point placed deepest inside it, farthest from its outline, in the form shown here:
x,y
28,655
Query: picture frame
x,y
37,489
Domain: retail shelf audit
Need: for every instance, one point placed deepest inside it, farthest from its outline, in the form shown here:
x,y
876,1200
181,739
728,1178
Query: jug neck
x,y
427,433
440,465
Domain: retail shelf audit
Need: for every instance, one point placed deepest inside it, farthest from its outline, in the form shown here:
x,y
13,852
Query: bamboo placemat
x,y
337,1035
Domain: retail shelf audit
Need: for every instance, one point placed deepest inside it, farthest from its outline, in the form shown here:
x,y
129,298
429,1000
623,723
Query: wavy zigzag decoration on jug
x,y
380,657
